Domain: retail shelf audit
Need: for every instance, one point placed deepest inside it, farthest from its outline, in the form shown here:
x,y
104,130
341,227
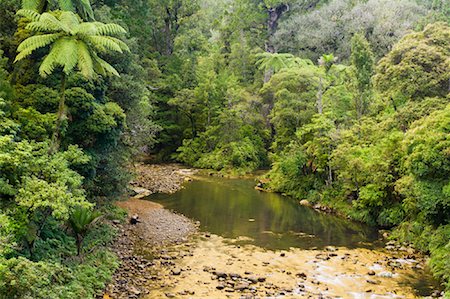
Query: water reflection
x,y
225,206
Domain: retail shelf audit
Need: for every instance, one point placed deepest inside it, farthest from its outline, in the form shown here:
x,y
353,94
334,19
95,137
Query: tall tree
x,y
72,44
363,63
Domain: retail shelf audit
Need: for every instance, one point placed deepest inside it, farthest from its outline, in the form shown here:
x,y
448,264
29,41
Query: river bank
x,y
156,228
165,256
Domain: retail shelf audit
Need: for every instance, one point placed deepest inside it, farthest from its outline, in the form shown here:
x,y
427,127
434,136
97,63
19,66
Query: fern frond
x,y
66,5
32,43
103,44
51,20
30,14
63,53
48,65
85,9
70,19
47,23
87,28
121,44
68,56
30,5
110,29
85,63
104,68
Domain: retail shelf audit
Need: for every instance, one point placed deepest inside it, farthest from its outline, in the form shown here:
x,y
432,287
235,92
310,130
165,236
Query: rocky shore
x,y
153,229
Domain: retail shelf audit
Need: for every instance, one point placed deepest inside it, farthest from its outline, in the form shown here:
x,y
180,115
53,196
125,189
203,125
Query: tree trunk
x,y
320,96
79,243
274,14
56,138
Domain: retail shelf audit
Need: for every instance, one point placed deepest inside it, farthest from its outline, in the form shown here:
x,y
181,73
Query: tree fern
x,y
72,41
72,45
83,7
35,42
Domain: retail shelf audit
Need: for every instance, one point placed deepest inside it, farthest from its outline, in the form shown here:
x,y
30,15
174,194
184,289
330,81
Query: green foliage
x,y
83,7
80,220
22,278
417,67
74,43
362,62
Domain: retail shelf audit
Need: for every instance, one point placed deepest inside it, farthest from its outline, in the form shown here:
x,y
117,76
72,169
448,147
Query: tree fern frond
x,y
48,65
85,9
66,5
30,5
104,68
47,23
35,42
85,63
42,27
63,53
110,29
70,19
87,28
103,44
68,55
30,14
109,68
121,44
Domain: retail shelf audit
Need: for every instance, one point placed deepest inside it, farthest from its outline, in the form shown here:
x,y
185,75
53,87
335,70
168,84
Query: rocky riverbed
x,y
214,267
165,256
155,229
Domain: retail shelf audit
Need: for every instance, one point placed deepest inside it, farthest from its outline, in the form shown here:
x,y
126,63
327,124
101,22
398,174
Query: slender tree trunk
x,y
56,138
320,96
79,243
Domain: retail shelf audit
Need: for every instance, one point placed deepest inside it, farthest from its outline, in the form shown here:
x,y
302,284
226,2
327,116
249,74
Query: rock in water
x,y
305,203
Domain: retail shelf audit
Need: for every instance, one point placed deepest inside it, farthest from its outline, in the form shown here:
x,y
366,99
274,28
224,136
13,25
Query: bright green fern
x,y
72,45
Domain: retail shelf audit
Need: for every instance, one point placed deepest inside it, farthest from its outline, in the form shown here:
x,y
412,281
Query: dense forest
x,y
345,102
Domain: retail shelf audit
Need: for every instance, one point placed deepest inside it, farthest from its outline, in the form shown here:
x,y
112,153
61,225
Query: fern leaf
x,y
104,68
109,68
29,13
48,65
66,5
70,19
63,53
103,44
121,44
32,43
47,23
68,55
111,29
85,63
30,5
85,9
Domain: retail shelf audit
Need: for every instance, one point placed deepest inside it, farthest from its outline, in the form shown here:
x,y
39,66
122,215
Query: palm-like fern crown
x,y
73,43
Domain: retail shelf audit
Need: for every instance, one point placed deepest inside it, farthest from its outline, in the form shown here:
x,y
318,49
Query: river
x,y
300,252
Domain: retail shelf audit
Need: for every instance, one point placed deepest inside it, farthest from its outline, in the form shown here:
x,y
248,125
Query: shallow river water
x,y
232,208
272,236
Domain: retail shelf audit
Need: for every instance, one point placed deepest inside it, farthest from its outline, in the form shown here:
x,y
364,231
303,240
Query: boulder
x,y
305,203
